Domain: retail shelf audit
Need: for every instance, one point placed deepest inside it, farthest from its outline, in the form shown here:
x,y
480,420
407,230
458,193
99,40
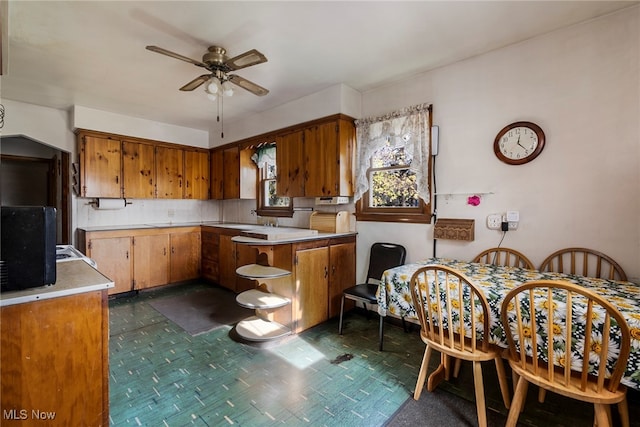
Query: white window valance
x,y
408,127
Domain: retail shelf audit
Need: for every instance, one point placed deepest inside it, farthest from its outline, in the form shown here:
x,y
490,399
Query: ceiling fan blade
x,y
196,82
248,85
157,49
247,59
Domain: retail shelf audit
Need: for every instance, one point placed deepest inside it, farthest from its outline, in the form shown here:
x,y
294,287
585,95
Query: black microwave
x,y
28,251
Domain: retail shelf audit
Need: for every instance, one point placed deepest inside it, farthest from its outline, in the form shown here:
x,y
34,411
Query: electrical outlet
x,y
494,221
513,225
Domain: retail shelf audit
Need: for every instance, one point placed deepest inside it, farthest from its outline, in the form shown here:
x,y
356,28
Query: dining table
x,y
394,298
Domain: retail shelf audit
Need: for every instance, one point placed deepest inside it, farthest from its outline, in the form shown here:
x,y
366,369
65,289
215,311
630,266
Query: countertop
x,y
321,235
72,277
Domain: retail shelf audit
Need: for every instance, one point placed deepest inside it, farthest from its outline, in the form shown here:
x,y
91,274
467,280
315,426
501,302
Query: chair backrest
x,y
450,307
384,256
557,332
504,256
583,262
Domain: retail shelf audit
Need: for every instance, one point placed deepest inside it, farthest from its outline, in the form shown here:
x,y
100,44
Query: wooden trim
x,y
95,133
271,135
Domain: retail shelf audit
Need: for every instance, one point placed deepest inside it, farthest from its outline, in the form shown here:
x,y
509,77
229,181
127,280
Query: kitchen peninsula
x,y
55,350
321,266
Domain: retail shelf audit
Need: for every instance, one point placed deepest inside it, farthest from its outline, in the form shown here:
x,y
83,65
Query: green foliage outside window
x,y
392,184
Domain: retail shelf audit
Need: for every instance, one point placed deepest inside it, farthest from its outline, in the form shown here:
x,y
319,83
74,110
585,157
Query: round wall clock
x,y
519,143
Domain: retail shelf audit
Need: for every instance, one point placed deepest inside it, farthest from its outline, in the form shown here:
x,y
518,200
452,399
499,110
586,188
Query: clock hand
x,y
520,144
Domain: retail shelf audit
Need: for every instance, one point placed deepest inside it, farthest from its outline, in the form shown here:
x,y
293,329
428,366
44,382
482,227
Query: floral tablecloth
x,y
394,298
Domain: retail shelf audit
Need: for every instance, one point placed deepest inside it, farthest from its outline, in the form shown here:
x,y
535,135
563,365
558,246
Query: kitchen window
x,y
269,202
394,166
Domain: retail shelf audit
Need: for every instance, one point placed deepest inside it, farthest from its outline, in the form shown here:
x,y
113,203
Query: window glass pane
x,y
271,199
389,156
271,171
393,188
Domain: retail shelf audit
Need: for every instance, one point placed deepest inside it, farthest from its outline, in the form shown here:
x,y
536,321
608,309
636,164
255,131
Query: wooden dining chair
x,y
454,320
563,353
583,262
504,256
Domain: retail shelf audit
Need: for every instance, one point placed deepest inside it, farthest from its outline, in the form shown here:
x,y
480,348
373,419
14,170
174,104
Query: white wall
x,y
92,119
333,100
582,86
55,128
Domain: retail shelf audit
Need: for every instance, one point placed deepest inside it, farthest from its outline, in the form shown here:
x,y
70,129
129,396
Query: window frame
x,y
419,214
261,208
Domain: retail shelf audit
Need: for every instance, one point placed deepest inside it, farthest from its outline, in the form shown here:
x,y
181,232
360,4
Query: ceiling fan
x,y
219,67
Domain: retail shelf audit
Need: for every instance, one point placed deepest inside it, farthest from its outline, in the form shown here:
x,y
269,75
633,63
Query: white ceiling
x,y
92,53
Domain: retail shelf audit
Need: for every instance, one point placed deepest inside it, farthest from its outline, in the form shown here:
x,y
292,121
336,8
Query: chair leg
x,y
502,380
602,416
541,394
381,337
623,410
517,403
422,375
341,311
479,389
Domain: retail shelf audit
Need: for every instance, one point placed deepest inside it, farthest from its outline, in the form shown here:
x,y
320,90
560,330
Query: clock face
x,y
519,143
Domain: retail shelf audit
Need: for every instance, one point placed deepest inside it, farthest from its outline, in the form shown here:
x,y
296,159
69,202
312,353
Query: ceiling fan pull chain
x,y
221,113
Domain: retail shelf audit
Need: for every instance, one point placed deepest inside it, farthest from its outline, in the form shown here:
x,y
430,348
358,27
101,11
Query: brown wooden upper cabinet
x,y
100,166
138,170
317,161
196,174
234,174
169,172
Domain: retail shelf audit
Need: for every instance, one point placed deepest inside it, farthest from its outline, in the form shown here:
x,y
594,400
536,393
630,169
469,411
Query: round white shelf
x,y
257,299
256,271
257,329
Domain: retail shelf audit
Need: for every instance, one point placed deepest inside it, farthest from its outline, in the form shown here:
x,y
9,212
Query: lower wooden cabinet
x,y
320,270
311,272
55,361
185,256
231,256
114,258
151,261
142,258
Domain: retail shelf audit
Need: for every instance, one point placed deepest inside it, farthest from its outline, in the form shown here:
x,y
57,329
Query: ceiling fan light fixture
x,y
213,87
227,88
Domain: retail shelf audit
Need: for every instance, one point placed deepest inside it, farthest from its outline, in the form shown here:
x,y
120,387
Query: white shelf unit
x,y
260,327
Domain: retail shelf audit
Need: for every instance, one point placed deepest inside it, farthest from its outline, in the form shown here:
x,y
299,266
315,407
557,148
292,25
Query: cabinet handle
x,y
117,178
127,254
173,250
164,251
326,272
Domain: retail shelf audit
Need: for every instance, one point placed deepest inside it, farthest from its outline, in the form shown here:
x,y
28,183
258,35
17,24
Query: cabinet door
x,y
100,167
185,256
113,256
342,275
150,261
231,180
217,174
320,146
55,357
227,259
240,174
290,165
138,170
312,287
196,175
169,172
210,260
